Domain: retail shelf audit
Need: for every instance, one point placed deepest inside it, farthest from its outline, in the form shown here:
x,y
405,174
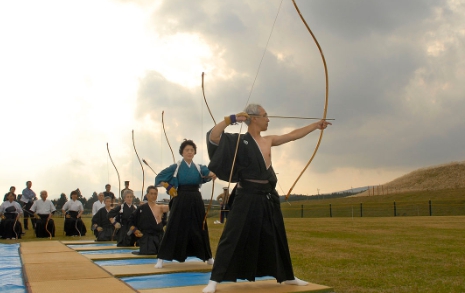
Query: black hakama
x,y
10,227
254,242
144,220
123,240
74,226
40,230
101,220
184,235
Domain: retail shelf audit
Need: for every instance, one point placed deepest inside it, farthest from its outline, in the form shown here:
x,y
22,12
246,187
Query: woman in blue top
x,y
184,235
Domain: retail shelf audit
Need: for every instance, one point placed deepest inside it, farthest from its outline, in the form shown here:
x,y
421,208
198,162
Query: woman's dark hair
x,y
185,143
12,188
74,192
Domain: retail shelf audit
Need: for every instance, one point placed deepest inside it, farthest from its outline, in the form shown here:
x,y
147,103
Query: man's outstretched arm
x,y
298,133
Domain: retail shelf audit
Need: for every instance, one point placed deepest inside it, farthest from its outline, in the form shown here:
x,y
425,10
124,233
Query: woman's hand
x,y
212,175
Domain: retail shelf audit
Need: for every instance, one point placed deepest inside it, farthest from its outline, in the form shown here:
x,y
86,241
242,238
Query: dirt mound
x,y
451,175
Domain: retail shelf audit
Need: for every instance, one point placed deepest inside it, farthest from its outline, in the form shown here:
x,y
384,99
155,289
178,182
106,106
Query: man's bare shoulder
x,y
269,137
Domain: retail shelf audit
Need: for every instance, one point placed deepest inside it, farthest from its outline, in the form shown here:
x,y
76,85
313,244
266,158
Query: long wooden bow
x,y
326,99
213,183
119,180
166,136
46,227
138,158
205,99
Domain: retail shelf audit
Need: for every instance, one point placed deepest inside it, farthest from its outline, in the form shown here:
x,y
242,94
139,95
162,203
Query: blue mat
x,y
11,275
90,245
137,261
173,280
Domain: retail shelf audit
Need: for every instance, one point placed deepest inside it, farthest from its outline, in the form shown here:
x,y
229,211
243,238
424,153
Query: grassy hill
x,y
446,176
438,190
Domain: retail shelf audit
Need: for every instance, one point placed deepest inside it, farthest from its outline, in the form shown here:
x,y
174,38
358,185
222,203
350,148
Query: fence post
x,y
430,208
330,211
361,210
395,209
302,211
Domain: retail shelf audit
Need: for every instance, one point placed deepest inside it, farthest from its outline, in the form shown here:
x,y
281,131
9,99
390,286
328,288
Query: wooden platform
x,y
54,267
114,256
149,269
248,287
51,267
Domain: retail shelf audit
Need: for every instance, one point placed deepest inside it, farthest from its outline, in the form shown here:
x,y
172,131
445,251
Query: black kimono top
x,y
249,164
145,221
122,217
101,218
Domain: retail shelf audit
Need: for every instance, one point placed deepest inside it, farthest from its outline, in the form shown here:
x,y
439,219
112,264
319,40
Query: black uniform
x,y
10,227
152,231
101,220
41,231
121,213
253,243
74,226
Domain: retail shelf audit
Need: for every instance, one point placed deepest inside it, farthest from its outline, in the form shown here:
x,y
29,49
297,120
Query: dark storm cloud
x,y
394,101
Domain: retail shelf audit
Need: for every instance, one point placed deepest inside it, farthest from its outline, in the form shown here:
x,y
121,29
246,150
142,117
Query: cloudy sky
x,y
75,75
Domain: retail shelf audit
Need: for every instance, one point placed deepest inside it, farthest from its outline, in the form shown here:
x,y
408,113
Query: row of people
x,y
186,233
40,211
253,242
26,199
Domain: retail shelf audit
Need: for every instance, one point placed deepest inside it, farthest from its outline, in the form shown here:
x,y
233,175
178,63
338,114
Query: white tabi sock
x,y
211,287
296,281
210,261
159,264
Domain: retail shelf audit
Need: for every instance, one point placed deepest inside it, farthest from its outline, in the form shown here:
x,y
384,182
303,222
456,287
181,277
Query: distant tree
x,y
91,201
83,200
61,201
79,193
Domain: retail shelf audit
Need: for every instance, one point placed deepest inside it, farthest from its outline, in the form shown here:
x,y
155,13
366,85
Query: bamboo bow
x,y
119,180
138,158
166,136
326,99
213,183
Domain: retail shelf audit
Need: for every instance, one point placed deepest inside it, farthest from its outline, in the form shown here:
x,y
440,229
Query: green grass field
x,y
369,254
445,202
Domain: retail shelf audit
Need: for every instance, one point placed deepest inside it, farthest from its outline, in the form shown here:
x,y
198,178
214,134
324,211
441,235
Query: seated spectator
x,y
147,223
10,211
119,217
73,209
103,228
98,204
43,210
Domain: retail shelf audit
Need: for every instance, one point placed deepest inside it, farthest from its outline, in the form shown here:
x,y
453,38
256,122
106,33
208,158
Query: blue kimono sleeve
x,y
166,175
204,171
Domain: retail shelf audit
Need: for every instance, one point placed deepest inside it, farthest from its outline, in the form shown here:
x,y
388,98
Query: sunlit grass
x,y
369,254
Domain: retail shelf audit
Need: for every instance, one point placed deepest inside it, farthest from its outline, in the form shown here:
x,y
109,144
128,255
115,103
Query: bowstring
x,y
252,87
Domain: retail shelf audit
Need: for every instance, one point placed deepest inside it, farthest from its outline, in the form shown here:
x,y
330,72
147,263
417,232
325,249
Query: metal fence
x,y
378,209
